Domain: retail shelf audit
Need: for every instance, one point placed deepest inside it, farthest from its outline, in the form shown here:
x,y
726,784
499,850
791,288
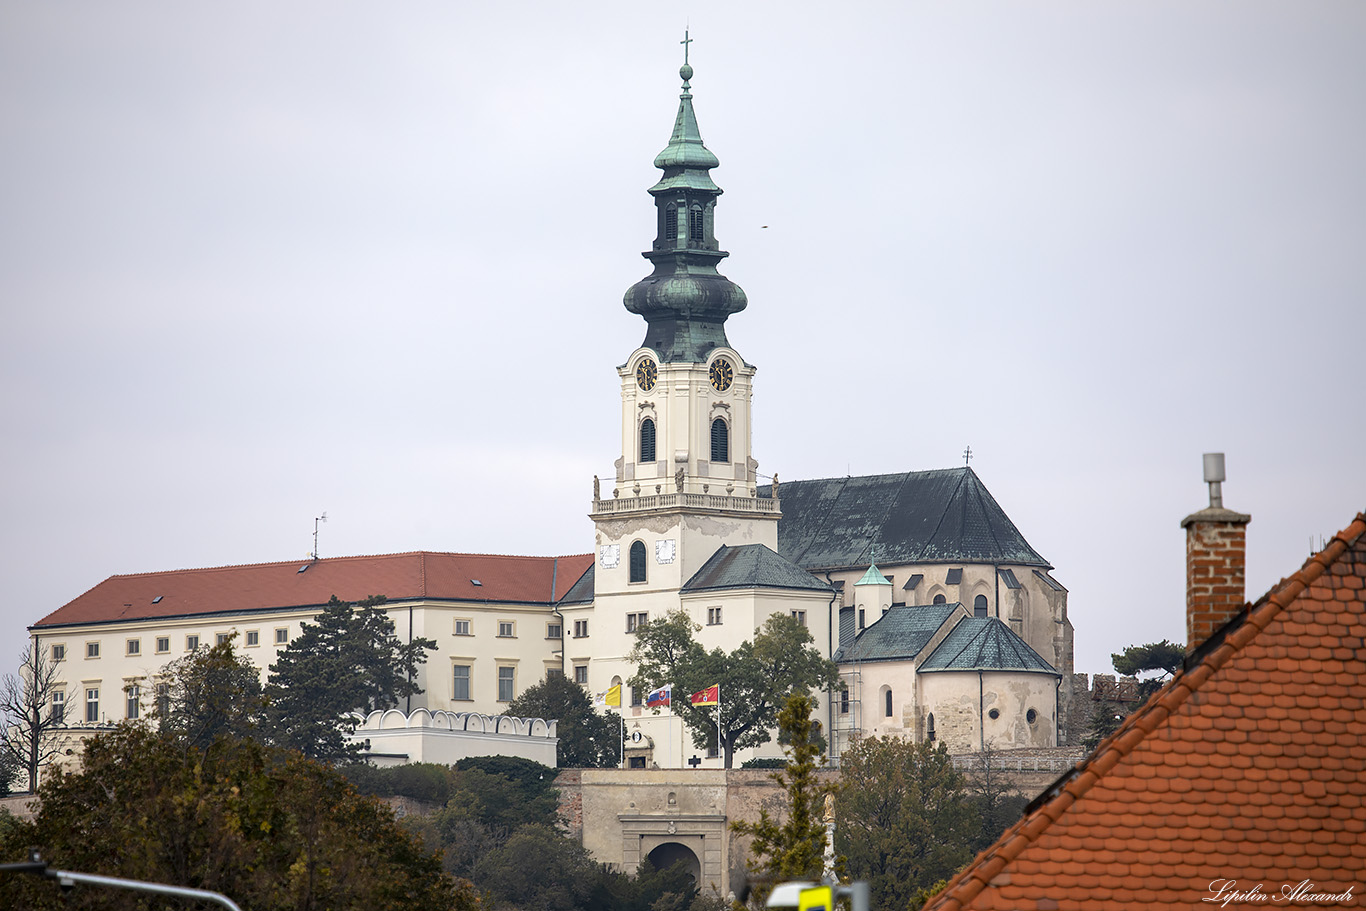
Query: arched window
x,y
647,440
887,709
979,606
929,728
671,222
638,561
720,441
940,599
695,223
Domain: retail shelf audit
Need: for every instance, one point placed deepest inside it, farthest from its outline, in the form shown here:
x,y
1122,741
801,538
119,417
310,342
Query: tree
x,y
210,693
903,817
349,660
754,679
264,826
994,796
587,740
538,868
795,847
30,718
1164,657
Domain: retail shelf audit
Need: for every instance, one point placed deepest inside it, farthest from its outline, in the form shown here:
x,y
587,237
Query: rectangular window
x,y
163,644
253,637
134,647
164,699
580,629
92,704
635,621
800,616
59,653
713,616
461,690
92,650
505,629
58,706
462,627
221,638
581,674
507,680
844,701
554,631
191,643
635,696
282,636
133,693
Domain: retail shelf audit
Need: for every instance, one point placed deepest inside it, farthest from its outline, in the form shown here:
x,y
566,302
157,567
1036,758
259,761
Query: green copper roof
x,y
985,644
873,576
685,301
751,566
898,635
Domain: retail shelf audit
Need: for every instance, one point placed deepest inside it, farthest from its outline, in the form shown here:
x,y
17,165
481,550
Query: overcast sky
x,y
262,260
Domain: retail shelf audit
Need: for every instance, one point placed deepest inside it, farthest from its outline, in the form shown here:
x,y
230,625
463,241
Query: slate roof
x,y
1249,765
900,633
419,575
941,516
751,566
986,644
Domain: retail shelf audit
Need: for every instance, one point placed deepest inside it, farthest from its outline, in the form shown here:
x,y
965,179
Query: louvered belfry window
x,y
671,222
720,441
638,561
647,440
695,223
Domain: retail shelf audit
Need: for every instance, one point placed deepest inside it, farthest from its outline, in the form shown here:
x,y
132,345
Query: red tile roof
x,y
273,586
1249,766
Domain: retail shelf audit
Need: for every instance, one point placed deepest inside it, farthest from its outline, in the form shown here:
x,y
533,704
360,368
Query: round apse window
x,y
994,714
1031,716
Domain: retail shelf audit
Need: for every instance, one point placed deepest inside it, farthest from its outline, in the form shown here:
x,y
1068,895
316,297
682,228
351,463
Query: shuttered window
x,y
647,440
638,561
720,441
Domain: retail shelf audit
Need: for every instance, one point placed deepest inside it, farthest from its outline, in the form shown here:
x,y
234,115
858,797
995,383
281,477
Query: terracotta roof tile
x,y
1256,749
279,586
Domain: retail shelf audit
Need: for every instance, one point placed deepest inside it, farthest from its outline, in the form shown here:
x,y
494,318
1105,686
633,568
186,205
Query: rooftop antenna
x,y
316,522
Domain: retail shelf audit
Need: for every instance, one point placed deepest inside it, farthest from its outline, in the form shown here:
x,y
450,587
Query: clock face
x,y
646,374
722,374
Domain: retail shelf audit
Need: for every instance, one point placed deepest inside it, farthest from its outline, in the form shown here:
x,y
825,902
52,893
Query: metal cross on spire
x,y
685,42
967,455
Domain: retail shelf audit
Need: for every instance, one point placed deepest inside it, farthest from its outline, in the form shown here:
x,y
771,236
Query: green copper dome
x,y
685,301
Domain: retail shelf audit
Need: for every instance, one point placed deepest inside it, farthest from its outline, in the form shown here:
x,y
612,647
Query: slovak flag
x,y
661,696
710,696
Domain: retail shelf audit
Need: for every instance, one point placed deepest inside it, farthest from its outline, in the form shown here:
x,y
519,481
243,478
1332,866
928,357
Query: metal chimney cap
x,y
1214,467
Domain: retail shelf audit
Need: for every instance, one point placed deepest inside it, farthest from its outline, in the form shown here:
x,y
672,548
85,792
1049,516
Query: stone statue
x,y
597,488
775,485
678,480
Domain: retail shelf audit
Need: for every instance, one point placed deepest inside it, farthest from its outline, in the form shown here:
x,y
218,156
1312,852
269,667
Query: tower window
x,y
887,707
647,440
929,728
979,606
940,599
671,222
720,441
638,561
695,223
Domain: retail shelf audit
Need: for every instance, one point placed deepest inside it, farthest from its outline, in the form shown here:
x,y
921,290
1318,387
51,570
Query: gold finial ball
x,y
685,71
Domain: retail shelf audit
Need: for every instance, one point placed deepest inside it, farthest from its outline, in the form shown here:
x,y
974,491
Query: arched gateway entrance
x,y
671,852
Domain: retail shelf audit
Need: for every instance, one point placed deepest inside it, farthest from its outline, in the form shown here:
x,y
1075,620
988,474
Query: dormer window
x,y
647,440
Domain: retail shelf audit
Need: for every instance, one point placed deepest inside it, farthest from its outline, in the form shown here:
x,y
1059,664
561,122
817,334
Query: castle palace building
x,y
945,622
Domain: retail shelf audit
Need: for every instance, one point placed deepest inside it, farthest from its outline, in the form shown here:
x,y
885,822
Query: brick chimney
x,y
1216,548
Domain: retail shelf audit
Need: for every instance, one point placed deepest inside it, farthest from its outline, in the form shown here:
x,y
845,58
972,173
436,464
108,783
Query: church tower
x,y
686,482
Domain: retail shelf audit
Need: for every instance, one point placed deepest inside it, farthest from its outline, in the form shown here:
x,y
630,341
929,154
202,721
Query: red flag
x,y
710,696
